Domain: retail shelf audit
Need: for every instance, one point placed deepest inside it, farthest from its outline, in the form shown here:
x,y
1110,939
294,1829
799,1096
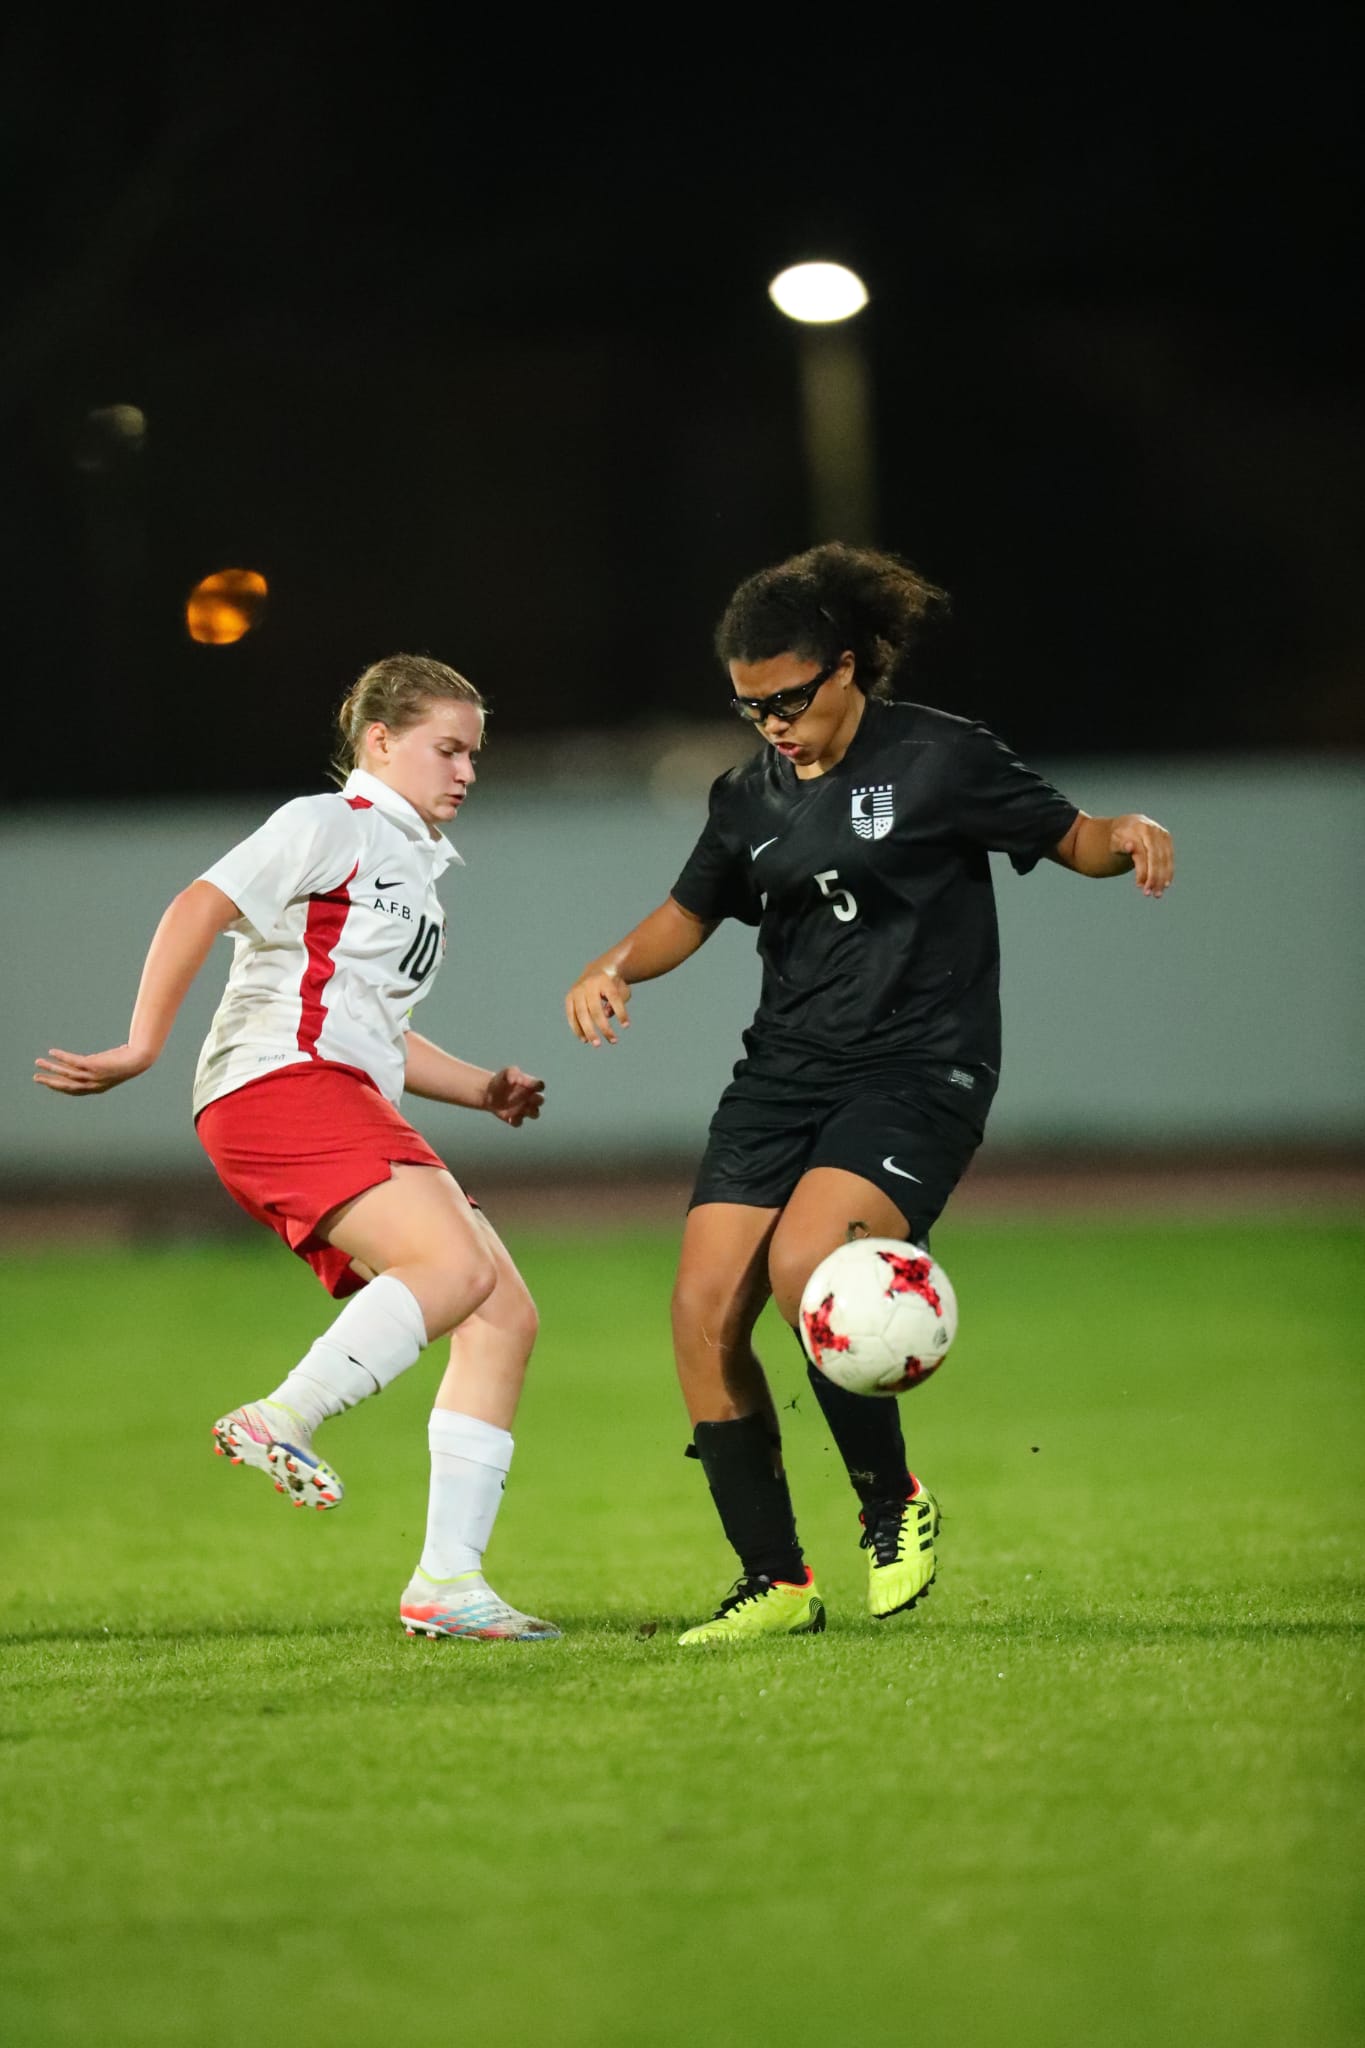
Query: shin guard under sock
x,y
377,1336
867,1432
751,1496
469,1464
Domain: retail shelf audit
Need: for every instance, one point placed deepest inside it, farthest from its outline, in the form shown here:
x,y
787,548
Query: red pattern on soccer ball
x,y
911,1276
821,1335
915,1371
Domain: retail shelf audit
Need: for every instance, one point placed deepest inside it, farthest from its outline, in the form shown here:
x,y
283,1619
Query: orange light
x,y
224,607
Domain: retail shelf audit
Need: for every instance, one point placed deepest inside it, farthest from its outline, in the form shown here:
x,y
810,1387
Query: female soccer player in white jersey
x,y
857,843
337,934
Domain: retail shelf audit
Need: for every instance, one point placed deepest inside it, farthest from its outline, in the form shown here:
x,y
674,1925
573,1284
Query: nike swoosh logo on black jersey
x,y
887,1167
754,851
389,885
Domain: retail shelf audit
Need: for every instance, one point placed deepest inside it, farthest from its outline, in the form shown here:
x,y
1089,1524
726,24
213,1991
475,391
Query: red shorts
x,y
296,1144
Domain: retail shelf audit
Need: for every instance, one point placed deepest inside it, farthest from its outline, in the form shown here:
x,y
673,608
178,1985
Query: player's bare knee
x,y
523,1321
478,1280
789,1268
711,1337
701,1311
453,1290
685,1303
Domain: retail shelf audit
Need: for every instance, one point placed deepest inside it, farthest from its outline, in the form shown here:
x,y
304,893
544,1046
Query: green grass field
x,y
1102,1788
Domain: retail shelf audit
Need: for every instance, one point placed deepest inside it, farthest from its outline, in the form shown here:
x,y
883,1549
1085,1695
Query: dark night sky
x,y
479,360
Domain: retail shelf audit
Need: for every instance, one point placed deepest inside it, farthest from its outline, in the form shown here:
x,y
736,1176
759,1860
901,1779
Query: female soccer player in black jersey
x,y
857,843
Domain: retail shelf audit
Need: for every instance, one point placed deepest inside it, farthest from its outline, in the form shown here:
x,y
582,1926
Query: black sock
x,y
867,1430
751,1496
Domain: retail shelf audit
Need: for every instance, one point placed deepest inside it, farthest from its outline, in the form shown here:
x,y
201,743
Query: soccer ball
x,y
877,1316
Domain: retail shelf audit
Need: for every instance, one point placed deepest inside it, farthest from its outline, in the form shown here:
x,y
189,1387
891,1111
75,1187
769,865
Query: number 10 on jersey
x,y
842,902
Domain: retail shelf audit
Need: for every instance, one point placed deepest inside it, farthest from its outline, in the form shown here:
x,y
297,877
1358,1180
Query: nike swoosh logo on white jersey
x,y
887,1167
754,851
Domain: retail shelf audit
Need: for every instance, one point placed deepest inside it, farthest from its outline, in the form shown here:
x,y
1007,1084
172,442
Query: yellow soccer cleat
x,y
899,1537
763,1607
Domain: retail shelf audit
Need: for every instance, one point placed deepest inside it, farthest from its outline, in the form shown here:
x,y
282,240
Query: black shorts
x,y
911,1134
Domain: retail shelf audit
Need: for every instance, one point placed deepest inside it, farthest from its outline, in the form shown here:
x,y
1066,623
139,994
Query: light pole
x,y
836,398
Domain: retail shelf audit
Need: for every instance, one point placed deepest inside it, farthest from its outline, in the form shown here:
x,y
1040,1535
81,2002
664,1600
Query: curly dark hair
x,y
832,597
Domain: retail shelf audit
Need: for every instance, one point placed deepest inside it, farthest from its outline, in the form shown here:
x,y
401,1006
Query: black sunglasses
x,y
786,704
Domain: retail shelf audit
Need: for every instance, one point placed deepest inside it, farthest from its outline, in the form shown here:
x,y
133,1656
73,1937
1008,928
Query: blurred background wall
x,y
1231,1013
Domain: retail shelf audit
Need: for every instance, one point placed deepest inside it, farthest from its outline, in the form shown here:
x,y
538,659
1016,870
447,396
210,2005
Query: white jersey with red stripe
x,y
341,933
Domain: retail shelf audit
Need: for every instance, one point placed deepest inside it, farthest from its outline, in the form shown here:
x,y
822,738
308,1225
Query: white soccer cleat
x,y
467,1606
254,1436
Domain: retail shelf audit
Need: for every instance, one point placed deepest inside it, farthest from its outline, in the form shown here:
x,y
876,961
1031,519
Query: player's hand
x,y
597,1000
513,1096
90,1073
1149,847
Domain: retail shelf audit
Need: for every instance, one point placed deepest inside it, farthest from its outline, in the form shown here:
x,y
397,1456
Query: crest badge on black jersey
x,y
873,811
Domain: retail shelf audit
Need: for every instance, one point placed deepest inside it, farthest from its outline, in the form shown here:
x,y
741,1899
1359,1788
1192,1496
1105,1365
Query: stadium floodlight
x,y
836,398
818,293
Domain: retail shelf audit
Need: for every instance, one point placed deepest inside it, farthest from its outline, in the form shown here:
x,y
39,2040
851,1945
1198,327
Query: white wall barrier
x,y
1233,1010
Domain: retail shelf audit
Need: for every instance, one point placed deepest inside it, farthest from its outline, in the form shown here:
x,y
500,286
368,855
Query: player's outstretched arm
x,y
512,1095
181,945
1117,846
601,995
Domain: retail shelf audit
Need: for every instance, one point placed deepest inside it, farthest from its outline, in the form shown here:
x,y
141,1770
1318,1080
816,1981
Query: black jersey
x,y
871,891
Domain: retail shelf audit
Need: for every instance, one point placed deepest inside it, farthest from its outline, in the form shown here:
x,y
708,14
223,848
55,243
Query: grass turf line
x,y
1098,1788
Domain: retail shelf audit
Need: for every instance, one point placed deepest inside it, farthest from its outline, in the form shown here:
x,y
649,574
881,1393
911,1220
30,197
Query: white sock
x,y
378,1334
469,1463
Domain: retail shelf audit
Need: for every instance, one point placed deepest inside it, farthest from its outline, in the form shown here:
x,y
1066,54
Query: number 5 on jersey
x,y
842,902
